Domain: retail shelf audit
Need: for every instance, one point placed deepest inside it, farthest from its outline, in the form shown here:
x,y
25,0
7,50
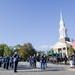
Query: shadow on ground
x,y
26,68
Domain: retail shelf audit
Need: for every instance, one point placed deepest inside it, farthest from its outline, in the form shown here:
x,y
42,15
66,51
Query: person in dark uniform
x,y
43,62
0,61
4,62
38,61
34,59
65,59
15,59
31,61
7,62
11,62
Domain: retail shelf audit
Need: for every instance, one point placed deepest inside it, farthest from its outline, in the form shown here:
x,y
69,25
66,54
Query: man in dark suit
x,y
15,59
4,62
7,62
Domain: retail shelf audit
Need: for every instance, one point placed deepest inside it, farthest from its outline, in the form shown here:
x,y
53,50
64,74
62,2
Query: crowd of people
x,y
11,62
58,59
38,61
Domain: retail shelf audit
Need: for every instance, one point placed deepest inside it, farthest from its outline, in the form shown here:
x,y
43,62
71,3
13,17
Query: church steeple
x,y
62,30
61,17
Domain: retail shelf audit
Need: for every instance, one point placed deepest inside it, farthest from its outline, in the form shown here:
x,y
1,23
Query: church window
x,y
64,48
59,50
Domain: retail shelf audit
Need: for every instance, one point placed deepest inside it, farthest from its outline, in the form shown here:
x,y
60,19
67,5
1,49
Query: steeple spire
x,y
61,17
62,30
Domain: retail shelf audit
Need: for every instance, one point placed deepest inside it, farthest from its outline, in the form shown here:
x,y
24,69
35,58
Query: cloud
x,y
44,46
50,47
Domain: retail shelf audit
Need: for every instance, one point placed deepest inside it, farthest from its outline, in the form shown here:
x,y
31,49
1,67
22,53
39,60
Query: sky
x,y
35,21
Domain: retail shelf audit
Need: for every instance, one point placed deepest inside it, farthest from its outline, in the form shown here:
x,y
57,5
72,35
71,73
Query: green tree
x,y
50,52
22,52
7,51
17,47
29,49
26,50
70,50
2,49
40,52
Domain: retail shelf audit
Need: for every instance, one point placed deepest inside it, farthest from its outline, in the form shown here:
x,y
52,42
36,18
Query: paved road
x,y
25,69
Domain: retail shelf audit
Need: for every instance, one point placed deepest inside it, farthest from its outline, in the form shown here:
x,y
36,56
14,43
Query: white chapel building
x,y
64,41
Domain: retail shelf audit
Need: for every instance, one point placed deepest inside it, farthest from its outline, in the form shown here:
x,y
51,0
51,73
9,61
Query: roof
x,y
61,44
